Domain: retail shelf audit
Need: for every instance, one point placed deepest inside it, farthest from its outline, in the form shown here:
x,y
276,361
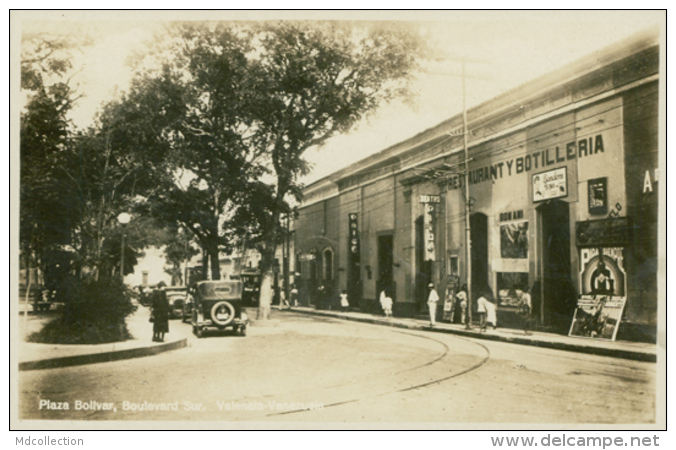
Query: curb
x,y
92,358
598,351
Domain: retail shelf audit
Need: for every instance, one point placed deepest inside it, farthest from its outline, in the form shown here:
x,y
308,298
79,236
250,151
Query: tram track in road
x,y
445,354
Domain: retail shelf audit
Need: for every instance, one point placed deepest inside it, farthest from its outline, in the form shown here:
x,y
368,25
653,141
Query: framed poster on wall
x,y
550,184
514,240
597,195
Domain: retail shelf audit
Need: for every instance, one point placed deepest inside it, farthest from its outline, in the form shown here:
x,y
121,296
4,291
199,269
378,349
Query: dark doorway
x,y
327,267
354,285
479,236
385,280
312,282
423,275
558,293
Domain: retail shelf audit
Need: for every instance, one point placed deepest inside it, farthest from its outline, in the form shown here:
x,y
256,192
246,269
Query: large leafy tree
x,y
206,70
48,199
257,97
314,81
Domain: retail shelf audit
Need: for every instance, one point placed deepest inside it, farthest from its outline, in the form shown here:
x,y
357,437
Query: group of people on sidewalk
x,y
486,308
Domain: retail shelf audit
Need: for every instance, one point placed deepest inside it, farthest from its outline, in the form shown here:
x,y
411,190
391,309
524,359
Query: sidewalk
x,y
637,351
34,356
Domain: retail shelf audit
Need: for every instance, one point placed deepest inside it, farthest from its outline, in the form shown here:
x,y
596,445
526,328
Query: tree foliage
x,y
257,97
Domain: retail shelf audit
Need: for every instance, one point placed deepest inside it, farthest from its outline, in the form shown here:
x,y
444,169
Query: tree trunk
x,y
267,275
215,263
205,264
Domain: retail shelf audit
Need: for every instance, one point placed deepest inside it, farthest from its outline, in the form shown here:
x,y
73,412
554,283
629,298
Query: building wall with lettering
x,y
349,202
597,123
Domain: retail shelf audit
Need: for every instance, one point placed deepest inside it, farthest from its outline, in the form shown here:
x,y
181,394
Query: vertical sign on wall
x,y
353,260
430,203
353,244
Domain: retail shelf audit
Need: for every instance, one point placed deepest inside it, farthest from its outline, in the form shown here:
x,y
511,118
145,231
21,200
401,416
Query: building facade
x,y
562,185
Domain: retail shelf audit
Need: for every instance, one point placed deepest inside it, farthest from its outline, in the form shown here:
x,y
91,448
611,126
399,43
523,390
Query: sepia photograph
x,y
338,220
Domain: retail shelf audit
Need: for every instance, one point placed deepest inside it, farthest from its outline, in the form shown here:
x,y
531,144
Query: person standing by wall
x,y
160,313
462,300
482,310
386,304
294,295
525,309
344,303
432,301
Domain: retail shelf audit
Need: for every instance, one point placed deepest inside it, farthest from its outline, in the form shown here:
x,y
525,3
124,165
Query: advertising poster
x,y
508,284
599,308
514,240
598,196
548,185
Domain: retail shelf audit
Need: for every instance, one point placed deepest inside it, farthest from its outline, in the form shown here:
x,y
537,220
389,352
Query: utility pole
x,y
468,230
468,211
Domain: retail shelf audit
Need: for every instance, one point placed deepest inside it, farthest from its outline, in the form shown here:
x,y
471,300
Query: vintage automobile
x,y
218,304
176,298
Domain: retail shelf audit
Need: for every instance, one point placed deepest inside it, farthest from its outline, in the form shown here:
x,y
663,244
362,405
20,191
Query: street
x,y
313,369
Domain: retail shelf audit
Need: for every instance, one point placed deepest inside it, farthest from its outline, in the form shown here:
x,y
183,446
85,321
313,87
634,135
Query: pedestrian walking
x,y
160,313
525,309
482,310
294,295
386,303
344,303
491,313
432,304
462,300
282,300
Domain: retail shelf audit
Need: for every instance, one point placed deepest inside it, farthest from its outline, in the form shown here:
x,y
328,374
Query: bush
x,y
94,312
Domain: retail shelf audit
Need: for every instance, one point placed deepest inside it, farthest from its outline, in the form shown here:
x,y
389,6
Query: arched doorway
x,y
558,296
385,280
479,236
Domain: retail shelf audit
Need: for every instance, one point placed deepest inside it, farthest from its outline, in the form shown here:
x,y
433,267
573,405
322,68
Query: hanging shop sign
x,y
550,184
430,209
603,287
430,199
597,195
353,240
610,232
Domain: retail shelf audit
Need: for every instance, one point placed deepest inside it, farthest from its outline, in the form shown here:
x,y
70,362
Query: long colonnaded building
x,y
563,192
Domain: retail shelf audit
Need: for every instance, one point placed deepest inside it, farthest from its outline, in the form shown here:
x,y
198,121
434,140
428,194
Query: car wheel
x,y
221,308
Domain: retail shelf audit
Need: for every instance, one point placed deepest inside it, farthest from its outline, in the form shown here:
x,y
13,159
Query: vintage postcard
x,y
338,220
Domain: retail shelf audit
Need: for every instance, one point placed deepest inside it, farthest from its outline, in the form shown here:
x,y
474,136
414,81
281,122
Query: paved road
x,y
356,372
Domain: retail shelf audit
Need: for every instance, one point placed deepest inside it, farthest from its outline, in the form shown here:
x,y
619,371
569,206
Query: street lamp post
x,y
123,219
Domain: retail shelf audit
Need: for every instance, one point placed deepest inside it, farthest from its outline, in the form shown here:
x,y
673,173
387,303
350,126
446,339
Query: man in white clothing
x,y
432,304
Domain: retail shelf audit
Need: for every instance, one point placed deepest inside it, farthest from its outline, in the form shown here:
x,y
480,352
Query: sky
x,y
507,50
